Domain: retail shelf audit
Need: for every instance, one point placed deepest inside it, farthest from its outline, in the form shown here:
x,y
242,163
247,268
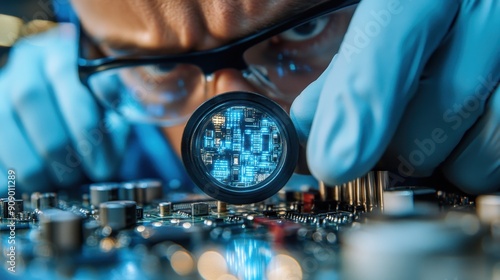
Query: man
x,y
414,88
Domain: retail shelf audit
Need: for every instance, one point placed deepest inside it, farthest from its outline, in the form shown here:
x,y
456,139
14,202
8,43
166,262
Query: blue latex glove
x,y
413,88
52,131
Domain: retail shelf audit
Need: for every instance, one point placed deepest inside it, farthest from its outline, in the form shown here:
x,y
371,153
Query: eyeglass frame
x,y
227,56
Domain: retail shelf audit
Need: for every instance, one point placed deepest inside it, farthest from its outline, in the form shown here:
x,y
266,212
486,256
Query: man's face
x,y
156,27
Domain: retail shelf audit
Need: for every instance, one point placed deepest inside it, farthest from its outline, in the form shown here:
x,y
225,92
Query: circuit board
x,y
241,146
132,230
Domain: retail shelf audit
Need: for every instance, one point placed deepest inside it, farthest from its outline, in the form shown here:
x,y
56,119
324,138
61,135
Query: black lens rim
x,y
216,189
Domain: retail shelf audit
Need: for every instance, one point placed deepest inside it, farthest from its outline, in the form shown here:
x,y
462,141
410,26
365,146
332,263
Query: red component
x,y
278,228
308,200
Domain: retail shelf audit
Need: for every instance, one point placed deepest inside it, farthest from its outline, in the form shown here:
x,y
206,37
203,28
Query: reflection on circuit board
x,y
131,230
241,147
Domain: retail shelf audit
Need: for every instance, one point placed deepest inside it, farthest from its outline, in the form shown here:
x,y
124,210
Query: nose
x,y
226,80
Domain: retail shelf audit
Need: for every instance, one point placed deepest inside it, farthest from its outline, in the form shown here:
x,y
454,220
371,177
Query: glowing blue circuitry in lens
x,y
241,146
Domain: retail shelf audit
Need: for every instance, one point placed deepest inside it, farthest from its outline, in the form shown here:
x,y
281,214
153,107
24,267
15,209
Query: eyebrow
x,y
116,44
119,45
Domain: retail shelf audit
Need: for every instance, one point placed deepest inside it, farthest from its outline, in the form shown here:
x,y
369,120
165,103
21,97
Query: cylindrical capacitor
x,y
221,206
63,230
382,185
488,208
326,193
164,208
118,214
352,192
348,193
345,193
359,186
148,190
337,193
371,194
45,201
100,193
128,191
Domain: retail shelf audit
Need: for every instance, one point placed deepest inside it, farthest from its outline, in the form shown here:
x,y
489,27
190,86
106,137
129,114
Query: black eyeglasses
x,y
279,61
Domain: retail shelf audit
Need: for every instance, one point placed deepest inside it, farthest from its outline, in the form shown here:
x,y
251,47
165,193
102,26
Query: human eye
x,y
305,31
314,38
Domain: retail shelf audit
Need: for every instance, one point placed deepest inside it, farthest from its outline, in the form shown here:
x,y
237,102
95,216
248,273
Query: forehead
x,y
175,26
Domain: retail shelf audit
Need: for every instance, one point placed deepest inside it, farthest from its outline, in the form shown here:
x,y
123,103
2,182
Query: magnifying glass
x,y
240,147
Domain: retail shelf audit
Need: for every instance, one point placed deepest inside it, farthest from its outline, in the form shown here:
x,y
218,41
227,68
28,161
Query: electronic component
x,y
141,191
164,208
62,230
193,236
148,190
221,207
103,192
10,208
118,214
240,147
43,201
382,185
364,194
127,191
139,213
199,209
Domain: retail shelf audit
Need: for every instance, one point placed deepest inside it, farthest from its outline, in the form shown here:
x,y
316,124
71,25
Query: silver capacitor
x,y
118,214
148,190
351,188
360,190
103,192
382,185
128,191
337,193
62,230
371,191
348,193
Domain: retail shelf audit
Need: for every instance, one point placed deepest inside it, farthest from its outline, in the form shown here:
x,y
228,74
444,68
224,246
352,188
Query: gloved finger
x,y
98,140
475,164
300,112
371,82
39,116
451,97
17,152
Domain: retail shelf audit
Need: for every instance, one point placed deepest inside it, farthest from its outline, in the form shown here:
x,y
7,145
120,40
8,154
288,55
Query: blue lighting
x,y
238,144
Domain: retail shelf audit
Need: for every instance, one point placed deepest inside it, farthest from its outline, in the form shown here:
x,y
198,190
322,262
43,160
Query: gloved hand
x,y
52,131
413,88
